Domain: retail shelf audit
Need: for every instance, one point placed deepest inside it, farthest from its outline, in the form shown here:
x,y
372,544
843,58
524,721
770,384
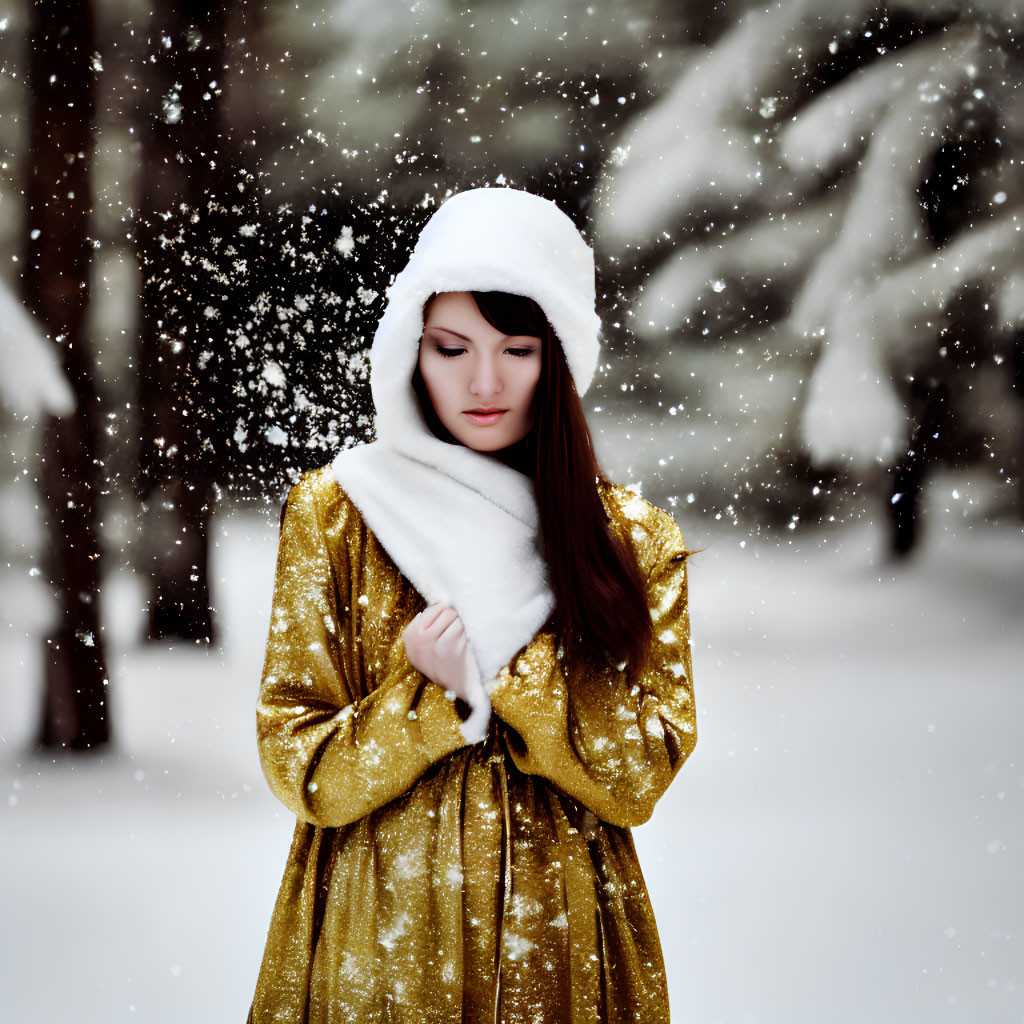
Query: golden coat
x,y
433,882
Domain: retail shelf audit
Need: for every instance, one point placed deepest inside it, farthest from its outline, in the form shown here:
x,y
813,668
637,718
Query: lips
x,y
484,417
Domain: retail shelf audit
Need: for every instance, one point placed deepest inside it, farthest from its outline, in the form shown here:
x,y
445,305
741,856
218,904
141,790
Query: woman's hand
x,y
435,642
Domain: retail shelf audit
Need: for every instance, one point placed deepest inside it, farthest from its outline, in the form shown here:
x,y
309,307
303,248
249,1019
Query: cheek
x,y
530,380
428,382
438,380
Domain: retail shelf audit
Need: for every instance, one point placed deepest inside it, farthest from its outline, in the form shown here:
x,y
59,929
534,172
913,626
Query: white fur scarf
x,y
463,531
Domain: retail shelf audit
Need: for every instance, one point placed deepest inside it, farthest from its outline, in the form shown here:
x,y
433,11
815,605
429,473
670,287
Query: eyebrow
x,y
448,330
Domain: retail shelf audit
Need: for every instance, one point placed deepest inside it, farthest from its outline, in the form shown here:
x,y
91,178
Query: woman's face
x,y
481,382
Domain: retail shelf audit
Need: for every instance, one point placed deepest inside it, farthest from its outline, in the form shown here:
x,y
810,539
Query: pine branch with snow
x,y
32,382
758,173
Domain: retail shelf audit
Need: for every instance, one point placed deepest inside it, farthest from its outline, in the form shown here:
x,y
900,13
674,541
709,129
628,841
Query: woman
x,y
478,671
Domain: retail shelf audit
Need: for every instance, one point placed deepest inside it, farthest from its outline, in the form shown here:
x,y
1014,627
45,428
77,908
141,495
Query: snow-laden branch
x,y
782,246
924,287
31,380
698,142
1010,301
852,412
870,282
694,142
883,220
837,123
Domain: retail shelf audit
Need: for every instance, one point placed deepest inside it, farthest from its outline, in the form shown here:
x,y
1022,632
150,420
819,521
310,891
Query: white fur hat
x,y
486,239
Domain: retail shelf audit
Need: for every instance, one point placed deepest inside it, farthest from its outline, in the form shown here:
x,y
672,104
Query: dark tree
x,y
943,430
182,136
56,288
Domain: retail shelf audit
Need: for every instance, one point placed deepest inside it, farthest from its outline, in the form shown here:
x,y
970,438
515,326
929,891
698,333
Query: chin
x,y
489,446
486,442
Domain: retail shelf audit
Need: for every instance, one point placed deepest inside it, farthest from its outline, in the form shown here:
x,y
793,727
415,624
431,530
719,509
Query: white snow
x,y
1011,300
345,243
31,380
273,374
852,412
844,845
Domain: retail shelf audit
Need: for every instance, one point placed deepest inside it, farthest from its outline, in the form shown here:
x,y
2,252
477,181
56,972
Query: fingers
x,y
449,634
419,627
452,642
452,627
437,618
428,615
436,643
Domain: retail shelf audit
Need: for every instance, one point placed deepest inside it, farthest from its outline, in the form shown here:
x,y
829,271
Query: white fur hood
x,y
460,525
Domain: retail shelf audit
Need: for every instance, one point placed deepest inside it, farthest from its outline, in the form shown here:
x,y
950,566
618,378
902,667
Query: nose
x,y
485,379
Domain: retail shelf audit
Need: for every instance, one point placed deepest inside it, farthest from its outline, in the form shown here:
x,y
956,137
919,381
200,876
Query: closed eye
x,y
520,352
447,352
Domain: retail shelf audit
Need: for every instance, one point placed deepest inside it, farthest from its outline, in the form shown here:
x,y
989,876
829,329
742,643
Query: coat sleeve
x,y
329,757
611,744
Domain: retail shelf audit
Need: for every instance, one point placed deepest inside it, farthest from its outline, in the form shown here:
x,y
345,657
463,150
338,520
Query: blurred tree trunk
x,y
56,289
182,135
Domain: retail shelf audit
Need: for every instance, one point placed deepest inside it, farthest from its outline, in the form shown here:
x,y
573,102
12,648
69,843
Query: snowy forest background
x,y
808,221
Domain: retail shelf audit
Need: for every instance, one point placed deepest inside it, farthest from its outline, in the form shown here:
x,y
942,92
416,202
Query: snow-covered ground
x,y
844,846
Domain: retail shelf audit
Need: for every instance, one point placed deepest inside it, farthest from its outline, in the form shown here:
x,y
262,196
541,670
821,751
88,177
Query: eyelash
x,y
452,353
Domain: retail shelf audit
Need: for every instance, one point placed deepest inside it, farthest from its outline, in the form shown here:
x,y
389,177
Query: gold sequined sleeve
x,y
331,751
611,745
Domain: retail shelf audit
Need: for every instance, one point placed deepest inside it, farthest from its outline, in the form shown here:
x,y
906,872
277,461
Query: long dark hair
x,y
601,614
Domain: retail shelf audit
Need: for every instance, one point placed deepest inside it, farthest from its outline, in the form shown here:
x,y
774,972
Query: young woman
x,y
478,671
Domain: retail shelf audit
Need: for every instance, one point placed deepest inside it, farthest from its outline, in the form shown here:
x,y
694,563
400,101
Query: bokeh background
x,y
809,223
